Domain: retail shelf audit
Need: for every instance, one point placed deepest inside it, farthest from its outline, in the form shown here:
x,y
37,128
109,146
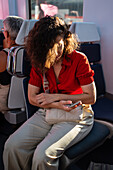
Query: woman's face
x,y
60,47
54,55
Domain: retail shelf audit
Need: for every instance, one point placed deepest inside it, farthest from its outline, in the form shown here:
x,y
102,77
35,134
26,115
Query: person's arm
x,y
5,44
3,61
87,97
34,91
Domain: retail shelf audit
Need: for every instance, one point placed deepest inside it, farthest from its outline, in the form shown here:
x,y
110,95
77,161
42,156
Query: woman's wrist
x,y
57,97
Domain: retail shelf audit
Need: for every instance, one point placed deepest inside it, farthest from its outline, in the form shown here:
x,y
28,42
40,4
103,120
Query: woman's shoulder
x,y
77,55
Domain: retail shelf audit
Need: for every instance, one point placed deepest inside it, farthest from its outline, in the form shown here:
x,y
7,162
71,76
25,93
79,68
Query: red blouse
x,y
74,73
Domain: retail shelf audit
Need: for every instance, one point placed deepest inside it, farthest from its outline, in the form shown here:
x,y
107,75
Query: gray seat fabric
x,y
16,58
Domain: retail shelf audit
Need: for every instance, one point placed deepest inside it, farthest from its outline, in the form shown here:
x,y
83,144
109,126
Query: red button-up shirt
x,y
74,73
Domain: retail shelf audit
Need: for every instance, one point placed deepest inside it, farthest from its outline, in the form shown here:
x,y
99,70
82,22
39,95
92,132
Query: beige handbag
x,y
4,90
57,115
79,114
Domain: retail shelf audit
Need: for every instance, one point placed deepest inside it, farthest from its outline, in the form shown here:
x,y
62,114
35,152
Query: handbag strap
x,y
45,84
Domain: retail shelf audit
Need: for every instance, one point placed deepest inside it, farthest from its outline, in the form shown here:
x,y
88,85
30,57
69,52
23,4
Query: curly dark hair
x,y
42,38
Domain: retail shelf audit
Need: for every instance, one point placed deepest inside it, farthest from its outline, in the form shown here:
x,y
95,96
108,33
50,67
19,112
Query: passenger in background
x,y
11,28
3,43
38,145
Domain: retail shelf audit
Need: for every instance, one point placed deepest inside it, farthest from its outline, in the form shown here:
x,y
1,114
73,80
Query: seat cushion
x,y
97,136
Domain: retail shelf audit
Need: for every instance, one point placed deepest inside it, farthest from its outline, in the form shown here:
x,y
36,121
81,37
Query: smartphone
x,y
74,104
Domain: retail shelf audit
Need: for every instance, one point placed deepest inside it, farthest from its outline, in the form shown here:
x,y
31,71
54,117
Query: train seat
x,y
16,67
85,31
90,45
80,150
24,30
103,107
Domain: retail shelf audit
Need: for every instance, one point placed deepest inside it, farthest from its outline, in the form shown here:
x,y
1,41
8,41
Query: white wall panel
x,y
101,12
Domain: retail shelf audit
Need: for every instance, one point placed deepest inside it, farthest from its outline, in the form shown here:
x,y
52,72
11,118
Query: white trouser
x,y
37,145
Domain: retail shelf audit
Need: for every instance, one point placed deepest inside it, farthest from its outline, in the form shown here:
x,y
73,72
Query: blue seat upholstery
x,y
94,139
99,79
30,109
92,51
91,140
103,108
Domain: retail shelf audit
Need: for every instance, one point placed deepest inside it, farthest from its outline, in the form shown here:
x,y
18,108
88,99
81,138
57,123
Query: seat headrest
x,y
92,51
27,25
86,31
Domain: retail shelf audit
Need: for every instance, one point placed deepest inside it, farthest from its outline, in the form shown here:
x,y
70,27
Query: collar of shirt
x,y
67,62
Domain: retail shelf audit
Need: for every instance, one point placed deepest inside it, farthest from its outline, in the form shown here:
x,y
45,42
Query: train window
x,y
69,10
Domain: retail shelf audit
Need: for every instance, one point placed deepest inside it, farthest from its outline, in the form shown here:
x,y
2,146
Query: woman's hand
x,y
59,105
45,98
63,105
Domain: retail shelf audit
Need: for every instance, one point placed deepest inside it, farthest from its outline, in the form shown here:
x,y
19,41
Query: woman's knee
x,y
47,157
39,156
11,144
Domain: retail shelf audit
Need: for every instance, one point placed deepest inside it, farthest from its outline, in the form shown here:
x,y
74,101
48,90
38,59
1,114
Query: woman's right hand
x,y
63,105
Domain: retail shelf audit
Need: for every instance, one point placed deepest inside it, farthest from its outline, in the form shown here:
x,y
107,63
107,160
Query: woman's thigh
x,y
31,132
60,137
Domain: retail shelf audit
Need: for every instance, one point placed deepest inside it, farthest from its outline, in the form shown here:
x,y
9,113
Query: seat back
x,y
24,30
93,54
30,109
17,66
89,38
103,107
26,67
86,31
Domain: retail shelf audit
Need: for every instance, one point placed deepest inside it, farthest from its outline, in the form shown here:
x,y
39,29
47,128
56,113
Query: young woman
x,y
38,144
